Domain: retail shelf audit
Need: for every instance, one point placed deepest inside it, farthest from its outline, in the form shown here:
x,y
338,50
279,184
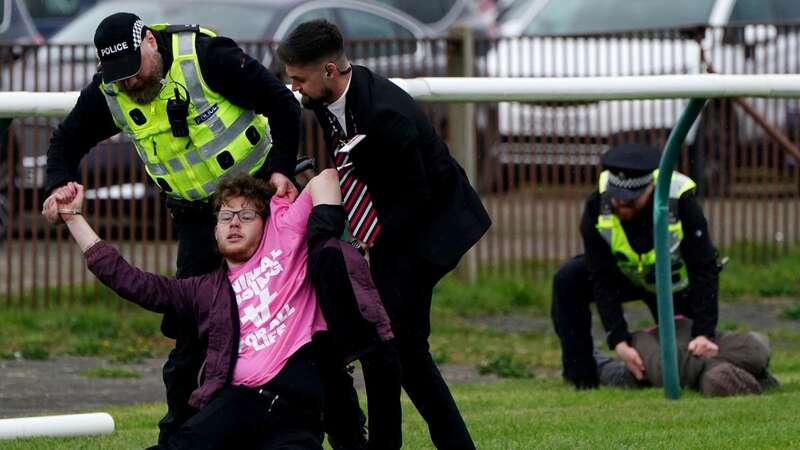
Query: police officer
x,y
196,107
619,265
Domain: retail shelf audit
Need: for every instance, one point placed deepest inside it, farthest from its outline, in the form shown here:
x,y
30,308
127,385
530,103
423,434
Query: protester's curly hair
x,y
242,184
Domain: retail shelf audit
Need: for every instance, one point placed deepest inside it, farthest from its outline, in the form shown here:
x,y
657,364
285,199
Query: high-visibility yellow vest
x,y
641,268
222,136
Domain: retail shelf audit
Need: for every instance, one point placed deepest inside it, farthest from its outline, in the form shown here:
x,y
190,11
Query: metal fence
x,y
534,163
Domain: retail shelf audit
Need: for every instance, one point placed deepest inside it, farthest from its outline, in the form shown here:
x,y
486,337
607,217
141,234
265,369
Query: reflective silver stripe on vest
x,y
185,43
185,47
676,184
223,140
116,111
606,232
155,169
197,97
175,164
241,166
193,194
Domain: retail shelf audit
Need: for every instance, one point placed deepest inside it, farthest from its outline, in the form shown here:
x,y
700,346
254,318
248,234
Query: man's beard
x,y
150,87
311,102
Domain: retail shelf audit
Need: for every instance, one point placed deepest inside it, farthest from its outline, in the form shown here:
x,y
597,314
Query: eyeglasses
x,y
245,215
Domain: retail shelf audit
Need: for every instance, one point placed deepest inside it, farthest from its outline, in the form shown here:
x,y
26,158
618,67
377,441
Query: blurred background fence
x,y
534,164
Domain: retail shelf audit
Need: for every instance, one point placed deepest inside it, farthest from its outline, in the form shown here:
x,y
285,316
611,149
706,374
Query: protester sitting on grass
x,y
739,368
260,386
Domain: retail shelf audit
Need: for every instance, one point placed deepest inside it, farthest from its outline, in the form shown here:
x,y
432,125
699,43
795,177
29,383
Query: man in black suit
x,y
417,215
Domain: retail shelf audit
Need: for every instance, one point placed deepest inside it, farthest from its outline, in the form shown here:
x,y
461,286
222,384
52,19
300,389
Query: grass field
x,y
529,414
529,408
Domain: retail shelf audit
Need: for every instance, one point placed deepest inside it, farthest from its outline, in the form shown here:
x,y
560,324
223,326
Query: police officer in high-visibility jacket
x,y
619,265
195,107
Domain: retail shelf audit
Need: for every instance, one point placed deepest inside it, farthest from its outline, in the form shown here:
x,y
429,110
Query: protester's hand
x,y
49,208
363,245
631,358
703,347
68,197
283,186
71,198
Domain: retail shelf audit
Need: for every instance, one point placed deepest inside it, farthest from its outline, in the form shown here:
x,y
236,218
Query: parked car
x,y
16,24
442,15
396,50
50,16
568,38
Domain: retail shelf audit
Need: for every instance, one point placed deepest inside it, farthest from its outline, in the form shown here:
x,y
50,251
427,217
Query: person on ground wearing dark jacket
x,y
195,107
410,207
260,385
618,265
739,368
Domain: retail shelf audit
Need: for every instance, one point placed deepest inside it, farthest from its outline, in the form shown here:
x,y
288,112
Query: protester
x,y
260,386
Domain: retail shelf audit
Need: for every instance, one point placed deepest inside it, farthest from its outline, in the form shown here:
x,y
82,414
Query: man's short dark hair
x,y
312,42
242,184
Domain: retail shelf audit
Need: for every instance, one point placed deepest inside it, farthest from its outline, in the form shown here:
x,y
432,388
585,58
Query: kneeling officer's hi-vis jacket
x,y
222,136
640,268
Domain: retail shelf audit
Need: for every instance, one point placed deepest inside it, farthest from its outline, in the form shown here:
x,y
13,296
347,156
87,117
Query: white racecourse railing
x,y
456,90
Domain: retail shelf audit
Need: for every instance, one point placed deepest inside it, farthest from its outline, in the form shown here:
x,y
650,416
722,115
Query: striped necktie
x,y
361,215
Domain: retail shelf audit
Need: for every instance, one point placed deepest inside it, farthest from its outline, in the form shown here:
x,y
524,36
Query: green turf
x,y
530,408
528,414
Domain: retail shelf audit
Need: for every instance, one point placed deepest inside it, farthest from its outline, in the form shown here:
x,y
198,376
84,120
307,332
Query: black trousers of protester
x,y
241,418
572,317
197,255
405,284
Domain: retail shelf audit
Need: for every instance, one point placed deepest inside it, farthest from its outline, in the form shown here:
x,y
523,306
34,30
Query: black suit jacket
x,y
422,196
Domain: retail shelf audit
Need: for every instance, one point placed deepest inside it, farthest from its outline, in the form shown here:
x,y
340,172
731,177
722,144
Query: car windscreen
x,y
238,21
15,23
429,11
581,16
748,11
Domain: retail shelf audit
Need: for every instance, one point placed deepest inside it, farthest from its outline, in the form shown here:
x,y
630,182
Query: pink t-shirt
x,y
278,310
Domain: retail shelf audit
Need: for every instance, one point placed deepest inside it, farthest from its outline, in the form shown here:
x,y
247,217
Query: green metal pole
x,y
666,321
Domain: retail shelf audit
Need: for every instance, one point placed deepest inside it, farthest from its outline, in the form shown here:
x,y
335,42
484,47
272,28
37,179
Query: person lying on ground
x,y
740,366
260,386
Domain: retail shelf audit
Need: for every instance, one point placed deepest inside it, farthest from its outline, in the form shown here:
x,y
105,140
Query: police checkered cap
x,y
137,33
623,182
118,40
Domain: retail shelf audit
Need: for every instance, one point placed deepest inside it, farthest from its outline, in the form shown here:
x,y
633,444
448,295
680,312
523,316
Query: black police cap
x,y
630,167
118,39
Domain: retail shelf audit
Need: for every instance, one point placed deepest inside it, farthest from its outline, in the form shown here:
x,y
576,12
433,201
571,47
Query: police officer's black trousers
x,y
197,255
572,317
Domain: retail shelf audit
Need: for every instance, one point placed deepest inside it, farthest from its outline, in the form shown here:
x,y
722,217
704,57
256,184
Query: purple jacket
x,y
210,302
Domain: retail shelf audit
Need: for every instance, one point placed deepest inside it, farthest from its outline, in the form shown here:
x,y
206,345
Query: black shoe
x,y
336,445
767,381
357,442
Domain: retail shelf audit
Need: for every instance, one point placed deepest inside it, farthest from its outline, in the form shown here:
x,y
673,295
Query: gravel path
x,y
57,386
30,388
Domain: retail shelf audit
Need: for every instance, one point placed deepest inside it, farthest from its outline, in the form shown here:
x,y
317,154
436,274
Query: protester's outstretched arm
x,y
150,291
68,201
